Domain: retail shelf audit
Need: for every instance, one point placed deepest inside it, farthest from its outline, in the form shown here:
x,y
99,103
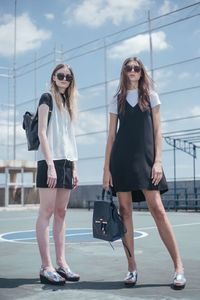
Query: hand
x,y
107,179
74,178
156,173
51,176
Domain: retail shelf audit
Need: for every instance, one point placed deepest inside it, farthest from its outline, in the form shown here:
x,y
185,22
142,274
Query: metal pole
x,y
6,187
22,187
150,45
8,116
106,84
14,82
35,91
61,59
194,168
174,150
35,79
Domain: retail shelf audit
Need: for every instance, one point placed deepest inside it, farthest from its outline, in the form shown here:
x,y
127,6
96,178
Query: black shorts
x,y
63,170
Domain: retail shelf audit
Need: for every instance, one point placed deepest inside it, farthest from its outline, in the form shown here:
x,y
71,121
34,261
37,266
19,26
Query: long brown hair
x,y
70,92
145,84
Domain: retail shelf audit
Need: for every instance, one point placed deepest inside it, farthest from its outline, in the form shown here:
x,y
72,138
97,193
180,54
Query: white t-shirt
x,y
61,136
132,98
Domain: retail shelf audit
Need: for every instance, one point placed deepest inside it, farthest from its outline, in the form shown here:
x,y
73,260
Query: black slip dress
x,y
133,154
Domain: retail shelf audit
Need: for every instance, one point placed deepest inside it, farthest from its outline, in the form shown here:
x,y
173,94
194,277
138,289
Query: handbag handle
x,y
108,194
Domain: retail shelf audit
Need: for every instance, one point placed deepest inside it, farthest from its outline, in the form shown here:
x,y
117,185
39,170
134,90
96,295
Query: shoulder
x,y
113,107
46,98
154,98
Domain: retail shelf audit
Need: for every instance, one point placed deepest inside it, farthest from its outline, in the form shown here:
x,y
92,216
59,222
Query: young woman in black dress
x,y
133,166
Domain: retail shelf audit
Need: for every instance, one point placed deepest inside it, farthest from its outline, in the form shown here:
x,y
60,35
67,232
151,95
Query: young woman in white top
x,y
56,171
133,166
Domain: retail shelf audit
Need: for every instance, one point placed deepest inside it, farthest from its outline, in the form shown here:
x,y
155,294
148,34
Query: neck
x,y
133,85
61,90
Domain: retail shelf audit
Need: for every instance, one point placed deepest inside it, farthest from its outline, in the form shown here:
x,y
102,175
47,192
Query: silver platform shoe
x,y
179,281
131,279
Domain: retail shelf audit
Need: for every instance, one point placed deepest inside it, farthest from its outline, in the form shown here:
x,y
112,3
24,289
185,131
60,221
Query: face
x,y
133,71
63,78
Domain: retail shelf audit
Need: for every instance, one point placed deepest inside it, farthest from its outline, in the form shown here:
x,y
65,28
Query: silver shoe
x,y
50,277
179,281
68,274
131,278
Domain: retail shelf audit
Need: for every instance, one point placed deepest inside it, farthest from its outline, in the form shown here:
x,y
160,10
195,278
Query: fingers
x,y
75,182
157,173
51,176
156,177
107,181
51,182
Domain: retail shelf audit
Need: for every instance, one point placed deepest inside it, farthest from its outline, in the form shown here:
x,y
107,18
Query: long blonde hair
x,y
70,93
145,84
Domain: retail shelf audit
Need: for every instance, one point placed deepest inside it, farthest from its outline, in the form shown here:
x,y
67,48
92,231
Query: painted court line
x,y
83,235
176,225
28,236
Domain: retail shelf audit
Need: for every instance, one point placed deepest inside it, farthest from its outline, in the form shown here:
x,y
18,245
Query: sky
x,y
76,31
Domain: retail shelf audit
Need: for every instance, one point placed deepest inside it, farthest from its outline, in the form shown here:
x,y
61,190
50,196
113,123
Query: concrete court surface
x,y
102,269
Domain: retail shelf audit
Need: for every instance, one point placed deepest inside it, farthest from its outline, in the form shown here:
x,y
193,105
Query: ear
x,y
54,78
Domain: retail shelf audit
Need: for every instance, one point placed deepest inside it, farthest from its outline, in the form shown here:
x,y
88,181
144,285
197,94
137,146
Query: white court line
x,y
177,225
17,219
2,239
97,242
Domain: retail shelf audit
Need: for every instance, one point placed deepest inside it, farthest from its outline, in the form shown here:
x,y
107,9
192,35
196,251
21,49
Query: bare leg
x,y
164,227
125,208
62,200
47,202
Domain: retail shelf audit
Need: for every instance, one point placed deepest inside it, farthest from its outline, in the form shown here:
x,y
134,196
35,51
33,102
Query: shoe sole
x,y
72,279
178,287
129,284
45,280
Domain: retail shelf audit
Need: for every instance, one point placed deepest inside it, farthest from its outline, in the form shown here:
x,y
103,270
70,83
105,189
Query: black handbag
x,y
107,222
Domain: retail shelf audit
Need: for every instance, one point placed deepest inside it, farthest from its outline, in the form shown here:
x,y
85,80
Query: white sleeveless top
x,y
61,136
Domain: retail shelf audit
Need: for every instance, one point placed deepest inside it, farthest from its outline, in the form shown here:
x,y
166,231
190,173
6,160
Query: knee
x,y
158,213
46,213
59,213
125,211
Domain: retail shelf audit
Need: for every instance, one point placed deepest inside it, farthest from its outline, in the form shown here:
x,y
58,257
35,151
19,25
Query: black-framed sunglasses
x,y
62,76
129,68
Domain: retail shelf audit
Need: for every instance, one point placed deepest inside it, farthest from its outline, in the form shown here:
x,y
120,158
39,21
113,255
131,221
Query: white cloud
x,y
184,75
138,44
29,37
95,13
196,32
49,16
163,78
167,6
91,121
195,110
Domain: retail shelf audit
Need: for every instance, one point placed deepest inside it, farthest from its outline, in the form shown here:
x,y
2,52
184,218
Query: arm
x,y
107,179
157,167
74,175
42,134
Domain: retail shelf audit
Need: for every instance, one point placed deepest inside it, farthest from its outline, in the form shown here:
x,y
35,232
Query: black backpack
x,y
30,125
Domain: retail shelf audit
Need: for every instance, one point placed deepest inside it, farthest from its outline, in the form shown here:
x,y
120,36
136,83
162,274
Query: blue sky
x,y
62,24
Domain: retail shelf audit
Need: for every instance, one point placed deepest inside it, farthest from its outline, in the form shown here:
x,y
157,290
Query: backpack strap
x,y
50,106
50,109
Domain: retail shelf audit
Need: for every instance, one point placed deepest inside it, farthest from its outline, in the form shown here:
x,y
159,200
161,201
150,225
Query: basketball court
x,y
102,269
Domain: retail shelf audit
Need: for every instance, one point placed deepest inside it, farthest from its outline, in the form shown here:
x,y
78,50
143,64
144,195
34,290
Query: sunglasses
x,y
129,68
62,76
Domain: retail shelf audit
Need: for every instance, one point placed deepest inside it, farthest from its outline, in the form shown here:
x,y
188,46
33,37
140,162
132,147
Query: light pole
x,y
7,75
14,81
